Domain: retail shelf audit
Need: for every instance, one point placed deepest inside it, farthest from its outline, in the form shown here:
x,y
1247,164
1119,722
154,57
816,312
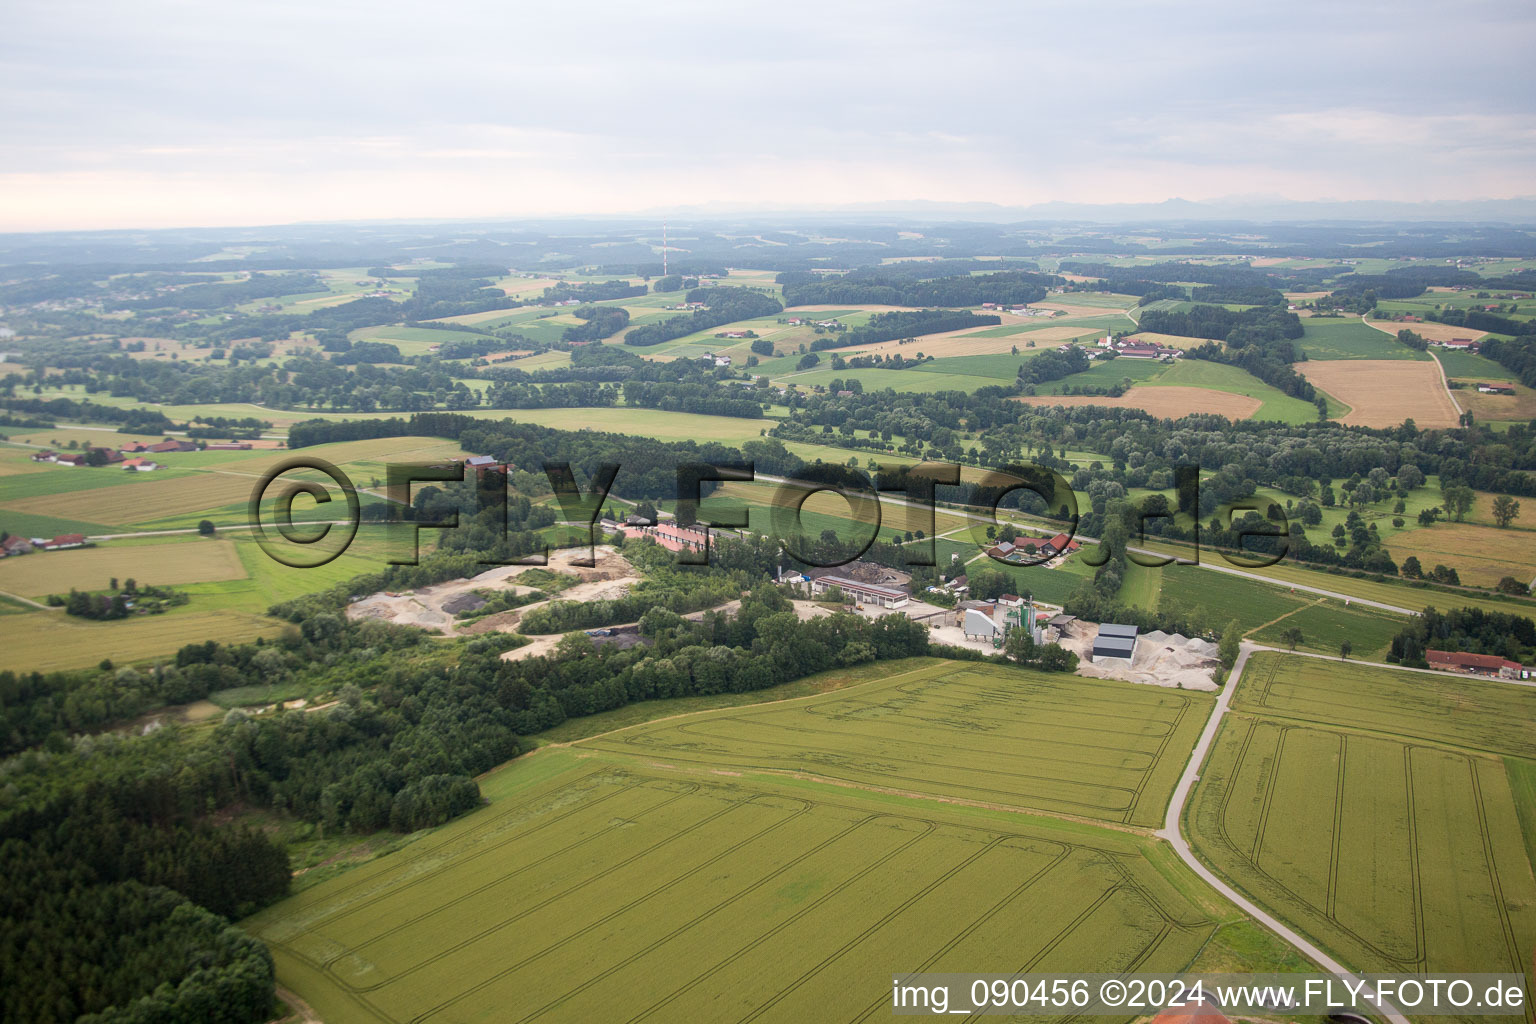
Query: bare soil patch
x,y
1384,392
430,607
1169,402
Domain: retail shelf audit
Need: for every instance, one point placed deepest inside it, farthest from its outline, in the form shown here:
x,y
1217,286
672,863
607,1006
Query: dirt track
x,y
611,577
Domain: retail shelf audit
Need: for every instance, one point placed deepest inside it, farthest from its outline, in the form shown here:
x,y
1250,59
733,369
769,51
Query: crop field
x,y
167,563
1165,402
900,381
1095,750
1384,392
1172,340
1166,390
762,497
49,641
664,426
597,881
1349,338
1520,406
1481,555
1374,809
1428,331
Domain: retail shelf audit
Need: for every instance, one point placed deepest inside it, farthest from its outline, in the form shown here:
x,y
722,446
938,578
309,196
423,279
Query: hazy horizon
x,y
165,115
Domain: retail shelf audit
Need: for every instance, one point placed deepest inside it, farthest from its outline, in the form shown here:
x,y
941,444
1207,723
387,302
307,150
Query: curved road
x,y
1444,382
1174,820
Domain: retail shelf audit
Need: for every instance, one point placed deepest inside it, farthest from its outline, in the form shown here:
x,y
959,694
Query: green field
x,y
1064,745
724,888
1349,338
1471,366
1374,810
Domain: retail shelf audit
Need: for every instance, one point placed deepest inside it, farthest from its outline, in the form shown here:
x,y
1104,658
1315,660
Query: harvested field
x,y
1384,392
1519,406
1433,332
1172,340
975,341
1075,310
1170,402
1481,555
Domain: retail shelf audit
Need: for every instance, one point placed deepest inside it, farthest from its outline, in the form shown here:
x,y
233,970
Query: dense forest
x,y
723,305
883,287
895,326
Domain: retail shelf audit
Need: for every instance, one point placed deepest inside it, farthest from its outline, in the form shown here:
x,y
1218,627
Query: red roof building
x,y
1200,1013
1476,664
65,540
1060,544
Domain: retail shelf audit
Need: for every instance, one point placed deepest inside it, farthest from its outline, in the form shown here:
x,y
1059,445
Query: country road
x,y
1444,382
1173,825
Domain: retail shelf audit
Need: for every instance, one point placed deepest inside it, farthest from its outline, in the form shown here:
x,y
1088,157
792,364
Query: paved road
x,y
1443,382
1172,825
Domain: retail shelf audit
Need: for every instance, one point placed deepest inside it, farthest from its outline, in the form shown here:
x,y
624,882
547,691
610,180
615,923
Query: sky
x,y
162,113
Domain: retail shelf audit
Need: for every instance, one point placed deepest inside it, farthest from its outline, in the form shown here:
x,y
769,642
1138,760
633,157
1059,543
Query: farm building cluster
x,y
15,546
134,456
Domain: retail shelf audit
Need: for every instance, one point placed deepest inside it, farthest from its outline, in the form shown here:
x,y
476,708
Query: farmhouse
x,y
14,545
1115,641
1461,344
172,446
1476,664
1192,1012
134,447
63,540
865,593
227,446
1142,350
46,455
69,460
1062,543
140,465
1496,389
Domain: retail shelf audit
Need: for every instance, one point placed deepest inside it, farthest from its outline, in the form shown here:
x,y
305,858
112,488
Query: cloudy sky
x,y
172,112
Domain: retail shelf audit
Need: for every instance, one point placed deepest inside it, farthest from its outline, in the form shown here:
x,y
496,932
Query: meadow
x,y
1374,810
1350,338
597,884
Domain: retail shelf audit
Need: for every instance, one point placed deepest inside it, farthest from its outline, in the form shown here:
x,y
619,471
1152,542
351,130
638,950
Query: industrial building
x,y
1114,641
